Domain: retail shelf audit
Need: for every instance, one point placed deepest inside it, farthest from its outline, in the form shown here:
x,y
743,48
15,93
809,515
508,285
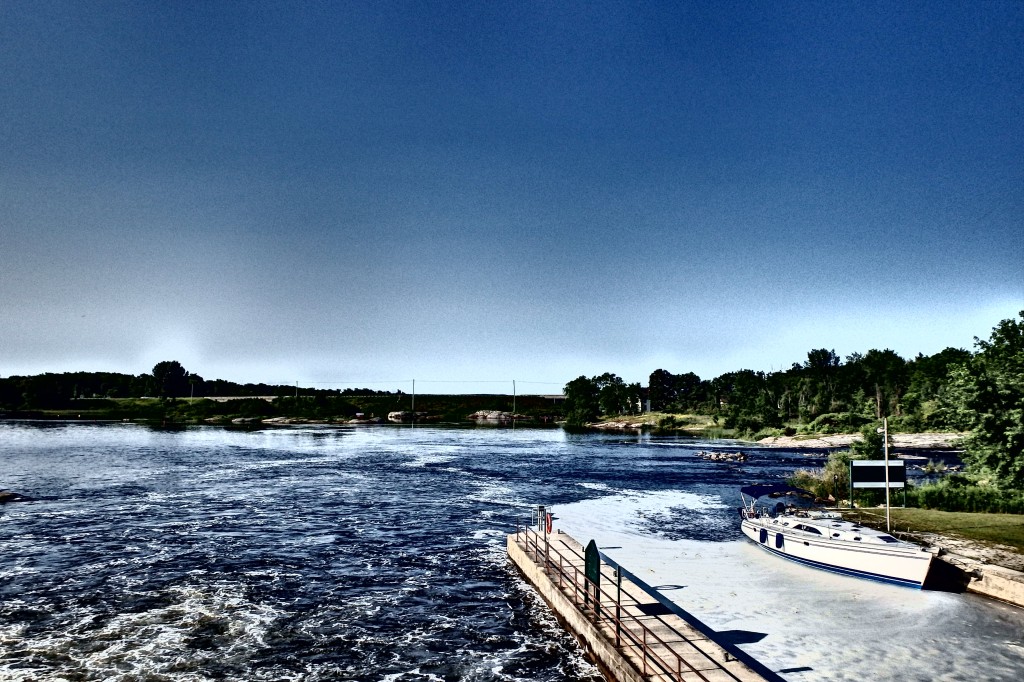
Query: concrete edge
x,y
612,663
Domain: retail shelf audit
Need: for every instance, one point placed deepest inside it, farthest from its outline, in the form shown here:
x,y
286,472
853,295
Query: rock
x,y
495,416
406,416
8,496
723,456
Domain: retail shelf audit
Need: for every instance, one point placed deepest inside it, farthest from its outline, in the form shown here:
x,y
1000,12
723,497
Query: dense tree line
x,y
823,392
608,394
169,379
979,392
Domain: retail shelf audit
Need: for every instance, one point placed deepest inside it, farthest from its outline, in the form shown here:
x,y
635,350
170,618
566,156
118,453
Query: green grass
x,y
1002,529
679,421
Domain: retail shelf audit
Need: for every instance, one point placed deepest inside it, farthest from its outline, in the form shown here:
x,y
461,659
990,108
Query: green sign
x,y
592,568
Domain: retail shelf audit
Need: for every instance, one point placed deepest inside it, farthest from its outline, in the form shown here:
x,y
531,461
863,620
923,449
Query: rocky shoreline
x,y
908,441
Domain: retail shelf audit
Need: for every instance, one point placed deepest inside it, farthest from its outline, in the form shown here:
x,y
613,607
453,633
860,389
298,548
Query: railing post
x,y
618,607
643,649
547,552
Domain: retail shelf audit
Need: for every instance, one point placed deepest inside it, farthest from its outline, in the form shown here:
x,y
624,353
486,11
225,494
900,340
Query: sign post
x,y
592,572
865,473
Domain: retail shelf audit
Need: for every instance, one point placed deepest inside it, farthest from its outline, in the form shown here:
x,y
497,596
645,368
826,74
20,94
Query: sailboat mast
x,y
885,436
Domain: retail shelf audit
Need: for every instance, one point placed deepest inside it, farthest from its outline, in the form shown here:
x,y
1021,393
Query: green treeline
x,y
171,394
168,380
822,394
980,393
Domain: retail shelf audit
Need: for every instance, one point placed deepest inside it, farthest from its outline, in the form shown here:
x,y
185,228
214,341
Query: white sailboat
x,y
823,539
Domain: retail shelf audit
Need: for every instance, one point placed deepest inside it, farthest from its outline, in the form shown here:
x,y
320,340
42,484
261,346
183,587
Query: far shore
x,y
935,440
902,441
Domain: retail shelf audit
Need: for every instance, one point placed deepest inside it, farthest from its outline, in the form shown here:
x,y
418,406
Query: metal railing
x,y
592,600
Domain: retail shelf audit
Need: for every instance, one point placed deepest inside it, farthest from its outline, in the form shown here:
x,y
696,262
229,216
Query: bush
x,y
767,433
957,494
832,479
835,422
251,408
578,418
908,423
668,422
871,444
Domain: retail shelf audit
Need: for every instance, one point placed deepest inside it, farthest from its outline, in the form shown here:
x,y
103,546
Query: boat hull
x,y
904,565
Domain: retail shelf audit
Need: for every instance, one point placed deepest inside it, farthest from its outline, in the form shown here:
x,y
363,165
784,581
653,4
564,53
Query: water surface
x,y
315,553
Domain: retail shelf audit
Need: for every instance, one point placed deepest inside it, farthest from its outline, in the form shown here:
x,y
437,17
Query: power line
x,y
441,381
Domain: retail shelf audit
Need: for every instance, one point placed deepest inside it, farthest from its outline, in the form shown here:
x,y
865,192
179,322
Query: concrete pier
x,y
956,572
630,631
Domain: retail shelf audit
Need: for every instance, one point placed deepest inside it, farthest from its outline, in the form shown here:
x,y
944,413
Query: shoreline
x,y
902,441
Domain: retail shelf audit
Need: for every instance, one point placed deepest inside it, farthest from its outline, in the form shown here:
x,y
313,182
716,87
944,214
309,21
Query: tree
x,y
929,374
871,445
611,394
662,388
886,378
171,378
581,401
929,380
746,400
689,391
987,395
195,380
821,368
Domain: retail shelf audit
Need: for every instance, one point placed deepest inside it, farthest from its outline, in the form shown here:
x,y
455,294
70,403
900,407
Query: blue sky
x,y
374,192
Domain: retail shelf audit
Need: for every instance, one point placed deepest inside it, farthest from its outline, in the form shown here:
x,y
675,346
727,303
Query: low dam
x,y
631,632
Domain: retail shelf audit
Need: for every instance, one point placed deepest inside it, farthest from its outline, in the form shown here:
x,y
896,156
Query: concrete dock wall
x,y
979,578
613,664
626,627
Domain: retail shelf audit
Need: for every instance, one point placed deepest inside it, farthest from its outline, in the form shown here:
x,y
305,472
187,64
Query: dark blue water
x,y
306,553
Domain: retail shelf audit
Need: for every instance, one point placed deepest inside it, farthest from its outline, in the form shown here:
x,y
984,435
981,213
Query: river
x,y
377,553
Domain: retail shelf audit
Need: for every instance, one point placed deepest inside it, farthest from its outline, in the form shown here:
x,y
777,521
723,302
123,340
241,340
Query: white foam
x,y
487,533
152,644
594,486
428,458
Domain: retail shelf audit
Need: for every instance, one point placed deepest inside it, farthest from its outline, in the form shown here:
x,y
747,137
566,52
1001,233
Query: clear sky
x,y
363,192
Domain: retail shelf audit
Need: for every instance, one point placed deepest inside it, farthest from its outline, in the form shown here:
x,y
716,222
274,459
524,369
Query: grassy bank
x,y
987,529
666,421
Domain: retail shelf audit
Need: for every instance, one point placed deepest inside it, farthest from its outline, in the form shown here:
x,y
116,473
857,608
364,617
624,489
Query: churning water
x,y
310,553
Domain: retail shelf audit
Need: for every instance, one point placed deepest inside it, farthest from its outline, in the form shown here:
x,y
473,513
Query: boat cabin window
x,y
887,538
809,529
